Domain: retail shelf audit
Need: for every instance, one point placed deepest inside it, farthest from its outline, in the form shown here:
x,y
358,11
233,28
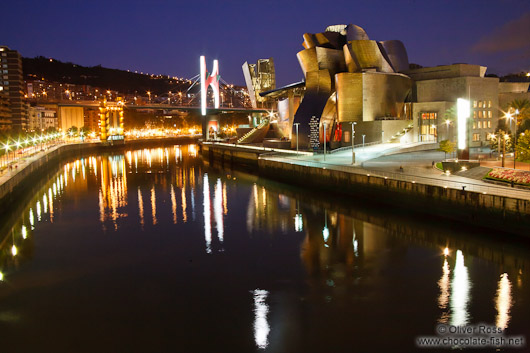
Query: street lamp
x,y
382,136
515,139
296,124
363,141
352,138
324,140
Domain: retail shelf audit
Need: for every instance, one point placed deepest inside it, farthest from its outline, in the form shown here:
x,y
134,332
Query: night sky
x,y
167,37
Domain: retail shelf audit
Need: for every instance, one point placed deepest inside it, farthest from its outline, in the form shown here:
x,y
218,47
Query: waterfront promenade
x,y
417,168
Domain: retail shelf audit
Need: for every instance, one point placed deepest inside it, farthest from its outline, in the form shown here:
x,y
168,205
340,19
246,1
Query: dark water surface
x,y
156,251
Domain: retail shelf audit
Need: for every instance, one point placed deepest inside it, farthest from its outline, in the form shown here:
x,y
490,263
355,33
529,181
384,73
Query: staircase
x,y
256,133
397,137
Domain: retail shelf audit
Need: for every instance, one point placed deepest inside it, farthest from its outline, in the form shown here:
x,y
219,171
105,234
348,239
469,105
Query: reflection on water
x,y
460,292
503,302
444,285
261,325
207,220
322,264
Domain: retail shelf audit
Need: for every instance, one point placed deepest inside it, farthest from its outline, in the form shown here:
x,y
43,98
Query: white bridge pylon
x,y
208,79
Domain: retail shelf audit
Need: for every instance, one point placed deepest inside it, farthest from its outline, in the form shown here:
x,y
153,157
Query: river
x,y
156,250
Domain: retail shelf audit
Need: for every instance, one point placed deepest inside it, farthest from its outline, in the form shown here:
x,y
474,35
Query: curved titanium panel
x,y
308,60
332,60
319,58
396,54
318,90
384,95
368,55
349,97
308,41
354,32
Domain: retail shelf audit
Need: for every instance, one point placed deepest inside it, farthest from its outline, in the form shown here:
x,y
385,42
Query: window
x,y
480,104
474,125
480,124
489,114
474,114
489,104
474,104
489,124
476,137
484,114
480,113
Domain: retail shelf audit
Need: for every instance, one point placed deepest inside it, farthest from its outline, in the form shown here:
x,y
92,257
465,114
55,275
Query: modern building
x,y
435,92
260,77
355,85
12,87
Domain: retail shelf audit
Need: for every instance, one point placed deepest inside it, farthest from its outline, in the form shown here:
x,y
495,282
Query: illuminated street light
x,y
352,138
296,124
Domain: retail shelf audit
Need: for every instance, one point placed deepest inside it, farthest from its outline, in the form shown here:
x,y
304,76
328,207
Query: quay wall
x,y
486,211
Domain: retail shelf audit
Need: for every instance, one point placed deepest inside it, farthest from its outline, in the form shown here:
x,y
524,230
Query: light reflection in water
x,y
218,209
141,207
173,204
261,325
443,298
460,288
51,204
37,206
503,301
225,206
153,204
183,199
207,220
31,219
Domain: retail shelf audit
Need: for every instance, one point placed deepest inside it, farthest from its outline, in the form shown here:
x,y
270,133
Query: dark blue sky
x,y
167,37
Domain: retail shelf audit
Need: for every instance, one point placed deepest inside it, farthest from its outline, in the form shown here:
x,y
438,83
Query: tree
x,y
447,146
72,131
504,138
523,146
523,106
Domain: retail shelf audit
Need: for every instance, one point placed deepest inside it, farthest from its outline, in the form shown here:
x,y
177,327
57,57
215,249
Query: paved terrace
x,y
384,160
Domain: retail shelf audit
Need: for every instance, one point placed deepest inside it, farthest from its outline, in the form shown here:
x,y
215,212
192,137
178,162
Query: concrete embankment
x,y
506,214
17,183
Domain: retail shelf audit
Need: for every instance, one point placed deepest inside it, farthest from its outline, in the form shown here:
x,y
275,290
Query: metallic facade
x,y
350,78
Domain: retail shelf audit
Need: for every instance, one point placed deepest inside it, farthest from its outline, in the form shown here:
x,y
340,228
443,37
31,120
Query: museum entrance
x,y
428,126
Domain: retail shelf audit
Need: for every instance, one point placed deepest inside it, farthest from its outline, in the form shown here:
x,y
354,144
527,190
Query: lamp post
x,y
324,140
363,141
352,138
515,139
296,124
382,136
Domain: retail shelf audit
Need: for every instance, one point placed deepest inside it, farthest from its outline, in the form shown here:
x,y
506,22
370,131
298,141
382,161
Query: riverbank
x,y
425,194
18,181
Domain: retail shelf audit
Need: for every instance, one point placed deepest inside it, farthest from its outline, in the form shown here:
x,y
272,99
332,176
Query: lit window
x,y
474,104
489,104
474,125
489,124
474,114
489,113
476,137
480,104
480,113
480,124
484,114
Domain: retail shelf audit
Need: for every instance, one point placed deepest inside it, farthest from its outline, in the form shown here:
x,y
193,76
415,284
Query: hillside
x,y
97,76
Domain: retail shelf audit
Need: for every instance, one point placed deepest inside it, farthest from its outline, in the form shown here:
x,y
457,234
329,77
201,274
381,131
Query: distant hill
x,y
98,76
